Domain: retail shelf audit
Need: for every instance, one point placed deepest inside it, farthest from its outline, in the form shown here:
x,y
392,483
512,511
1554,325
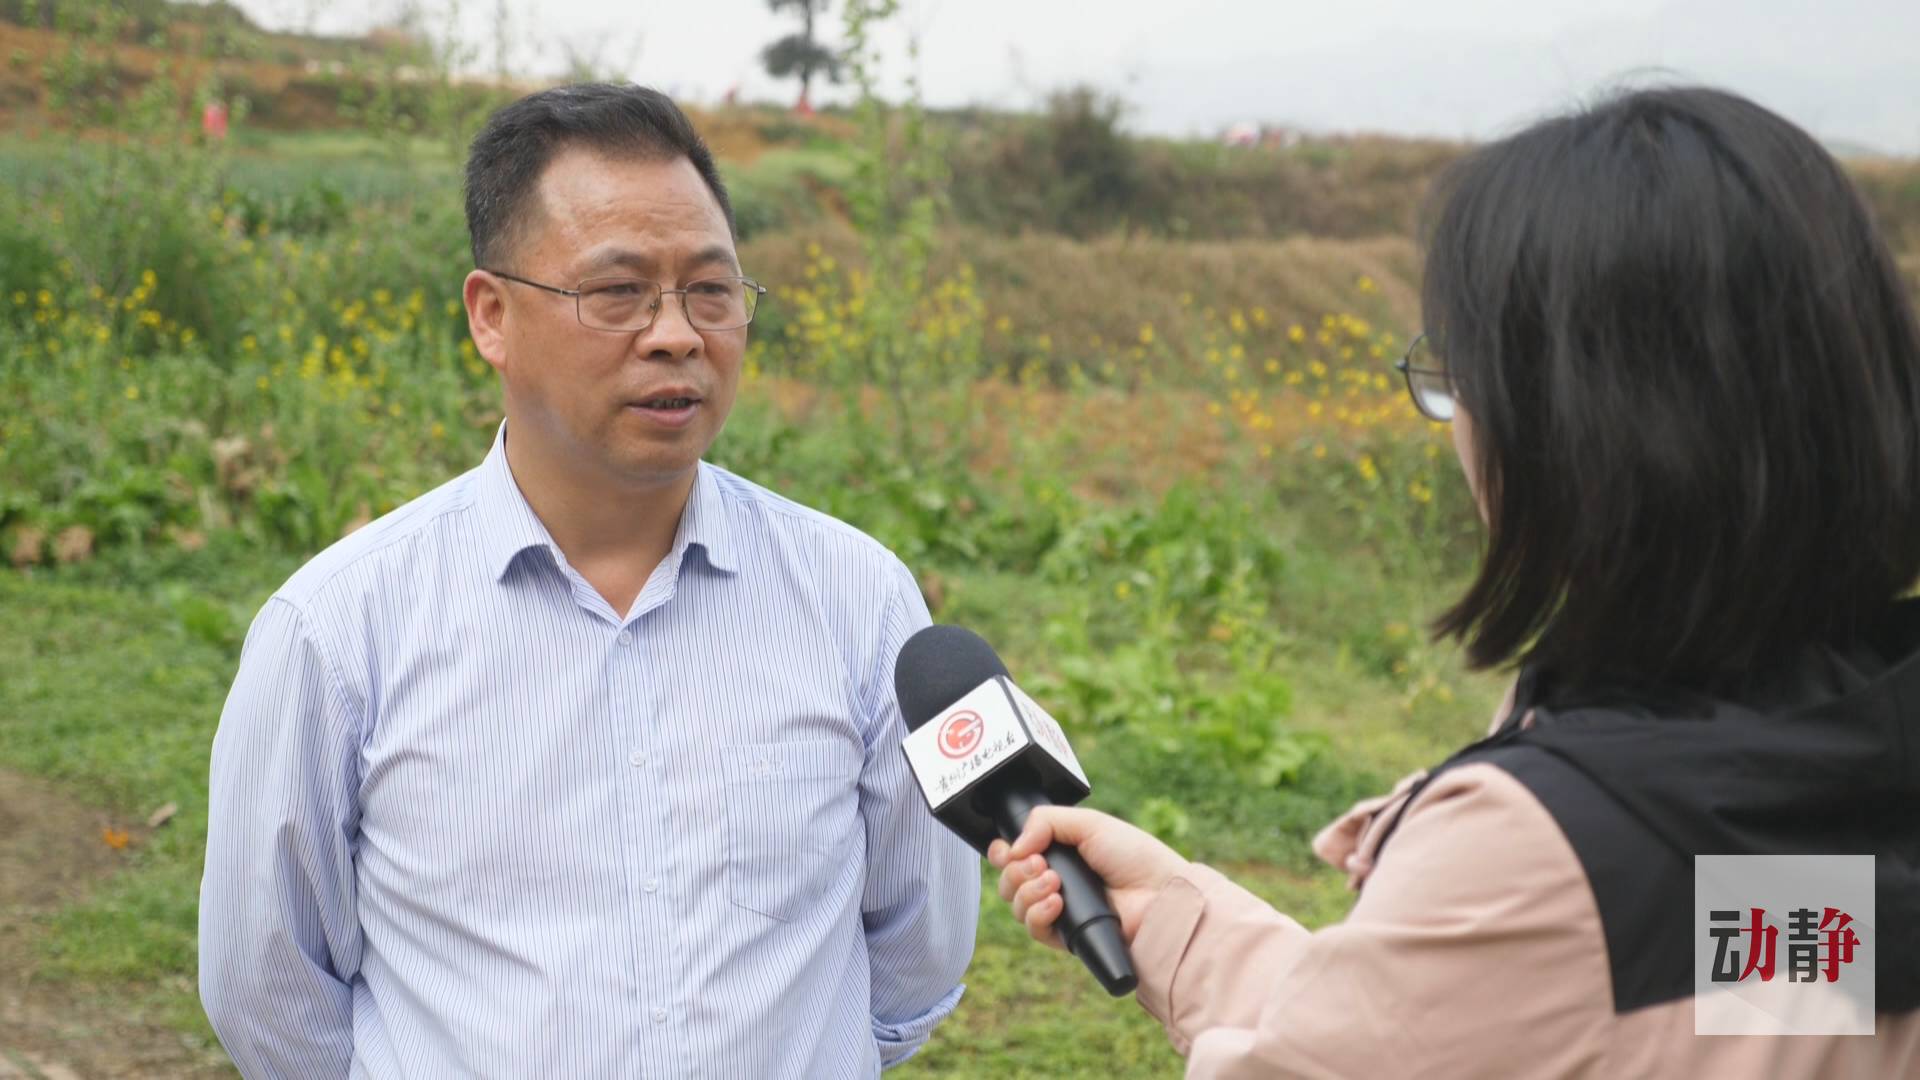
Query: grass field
x,y
1175,481
118,667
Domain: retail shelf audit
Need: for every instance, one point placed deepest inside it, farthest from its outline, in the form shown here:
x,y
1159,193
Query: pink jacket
x,y
1476,949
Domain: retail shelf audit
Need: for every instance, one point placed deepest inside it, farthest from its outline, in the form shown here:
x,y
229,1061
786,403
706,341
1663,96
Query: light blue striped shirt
x,y
467,820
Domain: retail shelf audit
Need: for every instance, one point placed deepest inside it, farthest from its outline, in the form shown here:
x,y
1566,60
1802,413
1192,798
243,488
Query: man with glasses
x,y
585,764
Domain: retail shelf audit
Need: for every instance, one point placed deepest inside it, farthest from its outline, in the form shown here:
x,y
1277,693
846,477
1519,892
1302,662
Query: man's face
x,y
593,399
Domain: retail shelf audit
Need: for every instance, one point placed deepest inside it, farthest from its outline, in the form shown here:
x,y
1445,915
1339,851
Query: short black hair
x,y
521,139
1693,374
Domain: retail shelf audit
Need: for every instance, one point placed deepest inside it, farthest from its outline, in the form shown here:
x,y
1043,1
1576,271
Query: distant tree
x,y
802,54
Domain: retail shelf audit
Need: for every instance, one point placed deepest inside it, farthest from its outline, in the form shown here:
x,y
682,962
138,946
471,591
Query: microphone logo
x,y
960,733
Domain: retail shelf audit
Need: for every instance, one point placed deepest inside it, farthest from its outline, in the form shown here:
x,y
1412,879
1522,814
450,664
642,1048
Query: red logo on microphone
x,y
960,733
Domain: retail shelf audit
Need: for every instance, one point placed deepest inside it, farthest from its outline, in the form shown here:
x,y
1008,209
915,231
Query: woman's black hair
x,y
1692,373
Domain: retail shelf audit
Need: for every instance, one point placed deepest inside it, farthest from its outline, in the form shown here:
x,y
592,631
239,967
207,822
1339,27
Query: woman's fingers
x,y
1049,825
1036,889
1041,917
1018,873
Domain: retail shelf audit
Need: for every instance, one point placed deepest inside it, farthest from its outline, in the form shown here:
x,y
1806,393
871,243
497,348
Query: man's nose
x,y
670,335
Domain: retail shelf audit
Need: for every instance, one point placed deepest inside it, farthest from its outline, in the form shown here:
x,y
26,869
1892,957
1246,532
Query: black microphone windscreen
x,y
937,667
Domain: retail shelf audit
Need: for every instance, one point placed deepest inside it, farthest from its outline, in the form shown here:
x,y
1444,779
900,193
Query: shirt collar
x,y
706,522
508,525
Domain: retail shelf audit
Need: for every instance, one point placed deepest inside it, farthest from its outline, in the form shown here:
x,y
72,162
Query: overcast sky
x,y
1847,69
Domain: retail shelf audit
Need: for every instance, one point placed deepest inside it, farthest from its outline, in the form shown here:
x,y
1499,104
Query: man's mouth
x,y
672,409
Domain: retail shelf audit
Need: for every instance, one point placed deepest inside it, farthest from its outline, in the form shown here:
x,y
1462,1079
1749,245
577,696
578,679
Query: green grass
x,y
117,669
113,690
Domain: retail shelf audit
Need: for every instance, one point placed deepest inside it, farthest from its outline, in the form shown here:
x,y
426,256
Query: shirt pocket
x,y
792,808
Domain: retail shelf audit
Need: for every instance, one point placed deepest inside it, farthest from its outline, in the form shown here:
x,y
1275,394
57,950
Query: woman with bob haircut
x,y
1683,375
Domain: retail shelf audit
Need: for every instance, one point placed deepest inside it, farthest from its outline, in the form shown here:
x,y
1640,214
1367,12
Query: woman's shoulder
x,y
1517,820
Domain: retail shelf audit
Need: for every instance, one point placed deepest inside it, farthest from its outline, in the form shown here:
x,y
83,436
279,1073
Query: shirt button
x,y
637,759
625,639
651,885
659,1016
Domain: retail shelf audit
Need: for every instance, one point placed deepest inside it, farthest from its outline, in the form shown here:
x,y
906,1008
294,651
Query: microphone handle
x,y
1087,923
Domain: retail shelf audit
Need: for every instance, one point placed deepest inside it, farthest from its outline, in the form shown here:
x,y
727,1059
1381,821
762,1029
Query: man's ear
x,y
486,300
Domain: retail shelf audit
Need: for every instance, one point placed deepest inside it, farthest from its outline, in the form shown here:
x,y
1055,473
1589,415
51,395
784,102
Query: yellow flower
x,y
1366,284
1296,333
1146,334
1368,471
1213,408
1122,590
1319,451
133,392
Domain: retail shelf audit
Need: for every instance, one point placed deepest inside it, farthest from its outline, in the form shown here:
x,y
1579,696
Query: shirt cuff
x,y
900,1041
1165,932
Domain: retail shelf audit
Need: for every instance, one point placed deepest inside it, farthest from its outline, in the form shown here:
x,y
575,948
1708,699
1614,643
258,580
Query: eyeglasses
x,y
624,305
1427,380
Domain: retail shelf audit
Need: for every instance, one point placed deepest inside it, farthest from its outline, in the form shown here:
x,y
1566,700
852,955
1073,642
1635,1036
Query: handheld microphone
x,y
985,754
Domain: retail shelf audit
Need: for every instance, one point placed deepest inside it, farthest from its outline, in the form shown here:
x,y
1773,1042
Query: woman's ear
x,y
1468,450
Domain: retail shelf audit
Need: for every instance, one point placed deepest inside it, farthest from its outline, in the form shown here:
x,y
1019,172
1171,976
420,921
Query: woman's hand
x,y
1131,861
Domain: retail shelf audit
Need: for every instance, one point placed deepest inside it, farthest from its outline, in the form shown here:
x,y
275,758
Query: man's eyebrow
x,y
642,263
625,258
714,253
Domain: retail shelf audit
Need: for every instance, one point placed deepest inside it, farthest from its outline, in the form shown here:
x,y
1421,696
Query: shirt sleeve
x,y
921,903
1476,942
279,940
